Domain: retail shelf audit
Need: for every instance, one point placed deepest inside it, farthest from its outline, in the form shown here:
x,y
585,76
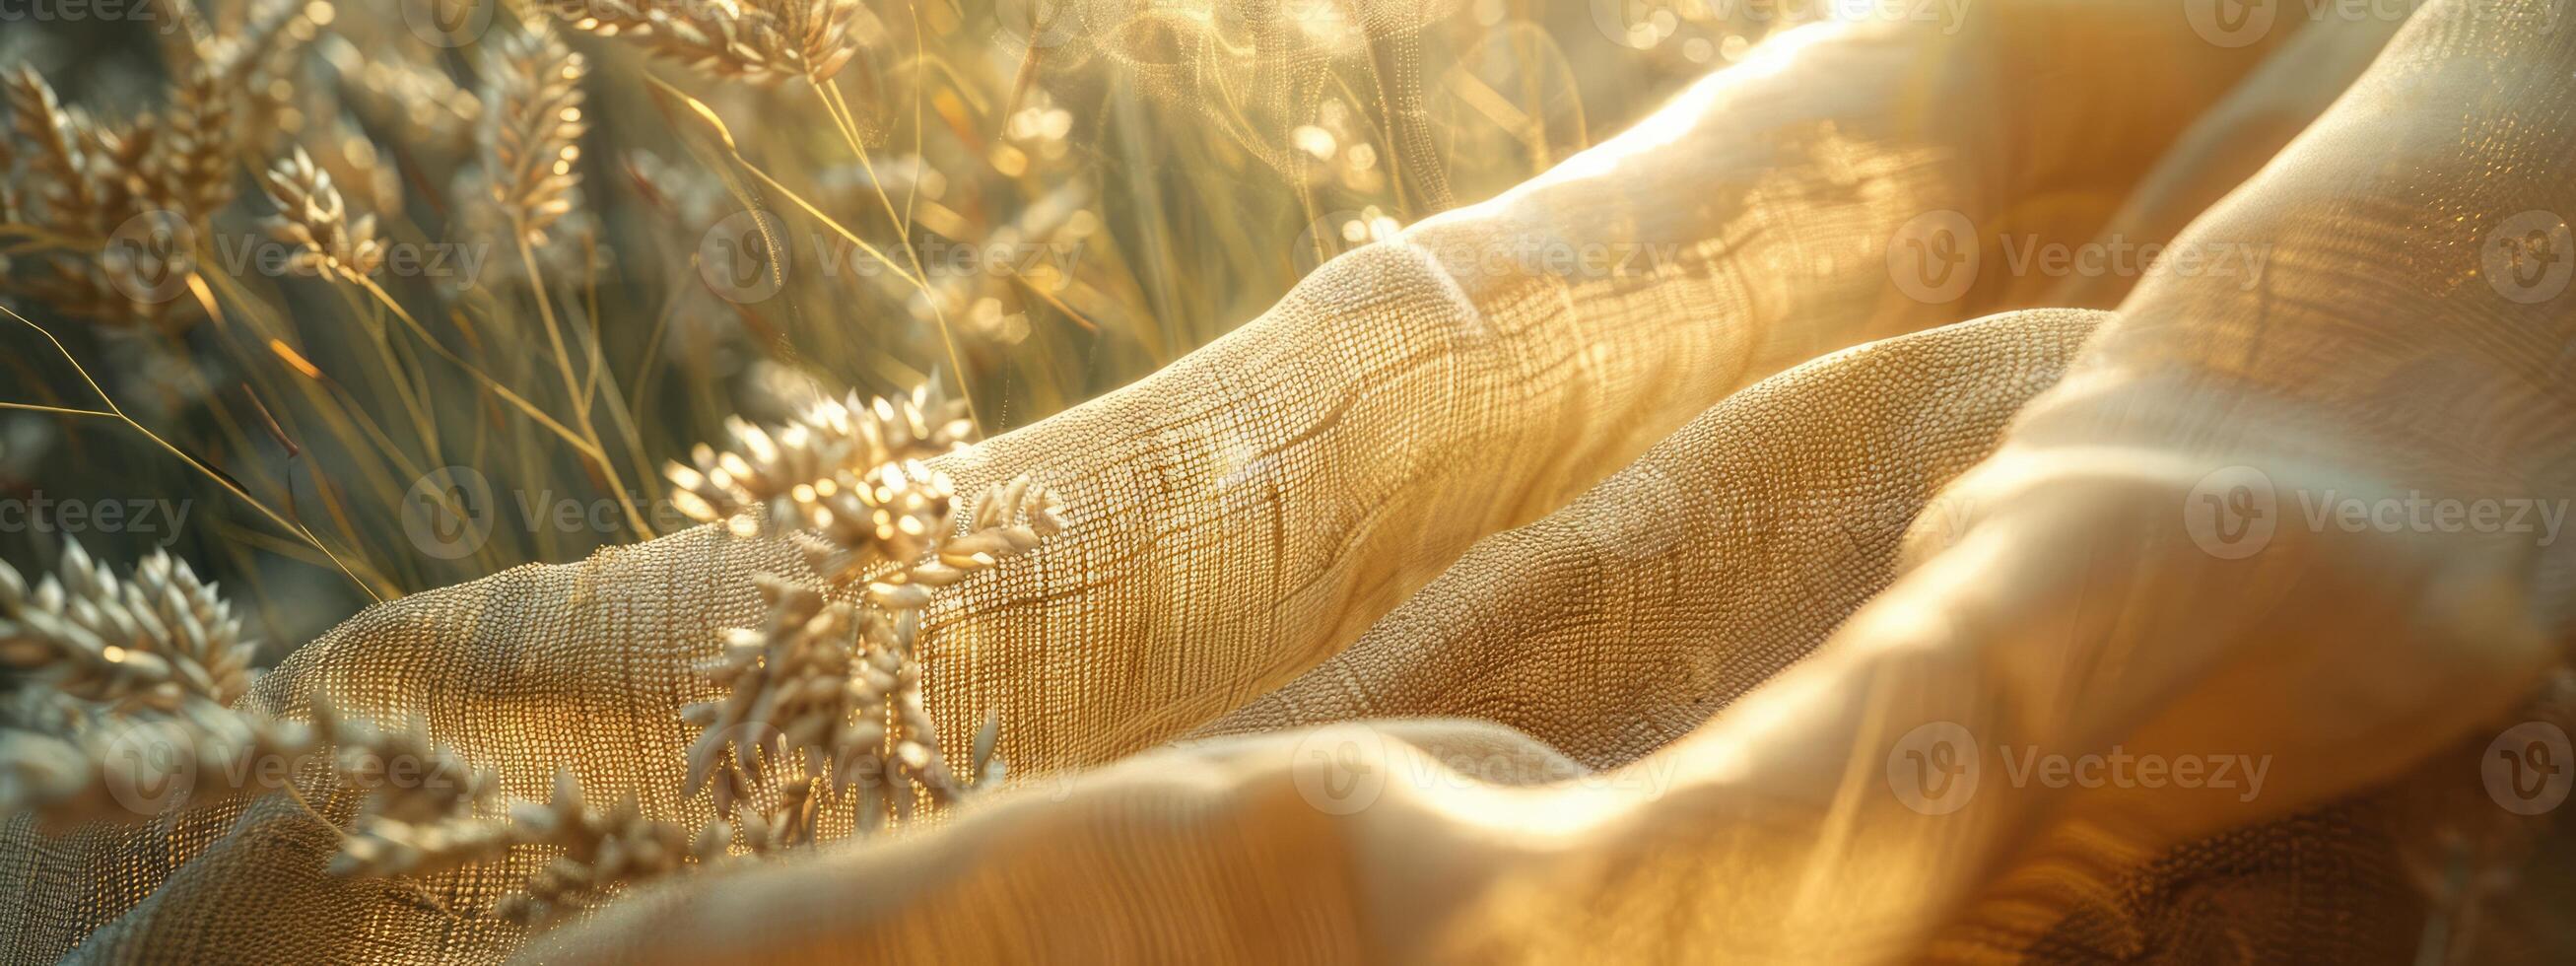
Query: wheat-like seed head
x,y
8,182
312,217
429,811
764,43
118,175
422,804
118,689
55,169
827,469
790,691
603,849
816,37
193,169
260,63
1007,520
88,182
532,126
208,753
154,643
892,513
200,623
413,778
426,112
831,682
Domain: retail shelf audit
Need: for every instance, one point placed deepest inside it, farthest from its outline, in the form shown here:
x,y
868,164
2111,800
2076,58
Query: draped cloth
x,y
1469,606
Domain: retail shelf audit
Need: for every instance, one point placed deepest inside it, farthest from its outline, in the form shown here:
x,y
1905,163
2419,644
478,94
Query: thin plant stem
x,y
220,480
573,385
839,109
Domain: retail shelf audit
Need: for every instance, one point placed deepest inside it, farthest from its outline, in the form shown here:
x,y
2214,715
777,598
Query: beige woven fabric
x,y
1721,556
1259,506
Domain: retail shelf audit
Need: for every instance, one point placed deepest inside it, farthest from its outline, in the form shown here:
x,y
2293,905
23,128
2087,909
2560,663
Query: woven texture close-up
x,y
1456,612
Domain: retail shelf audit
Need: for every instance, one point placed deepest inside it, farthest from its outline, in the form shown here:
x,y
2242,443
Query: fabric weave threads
x,y
1697,769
